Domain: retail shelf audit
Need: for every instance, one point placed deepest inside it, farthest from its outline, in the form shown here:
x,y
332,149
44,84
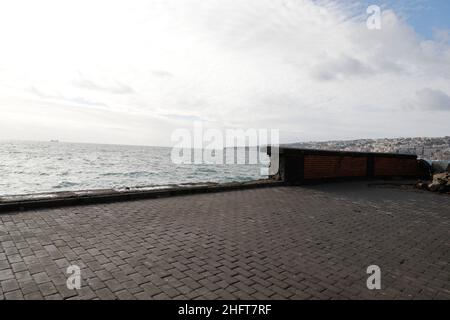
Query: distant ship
x,y
54,141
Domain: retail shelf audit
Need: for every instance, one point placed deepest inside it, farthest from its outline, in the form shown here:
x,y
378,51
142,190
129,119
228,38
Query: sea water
x,y
33,167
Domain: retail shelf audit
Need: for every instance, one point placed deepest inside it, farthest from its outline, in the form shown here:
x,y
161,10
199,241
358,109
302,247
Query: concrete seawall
x,y
69,198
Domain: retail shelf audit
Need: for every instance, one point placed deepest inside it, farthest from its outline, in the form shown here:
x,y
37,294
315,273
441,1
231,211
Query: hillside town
x,y
424,147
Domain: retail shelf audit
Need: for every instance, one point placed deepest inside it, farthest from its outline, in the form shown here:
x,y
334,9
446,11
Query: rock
x,y
422,185
440,176
440,183
434,186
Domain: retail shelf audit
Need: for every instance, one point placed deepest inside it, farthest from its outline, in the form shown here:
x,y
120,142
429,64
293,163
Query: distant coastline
x,y
429,148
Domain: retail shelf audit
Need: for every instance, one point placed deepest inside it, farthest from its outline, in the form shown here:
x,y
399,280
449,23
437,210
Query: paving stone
x,y
114,285
47,289
36,295
9,285
4,264
125,295
41,277
105,294
14,295
6,274
55,296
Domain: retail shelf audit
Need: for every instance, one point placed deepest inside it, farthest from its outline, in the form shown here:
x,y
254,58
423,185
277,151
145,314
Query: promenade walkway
x,y
311,242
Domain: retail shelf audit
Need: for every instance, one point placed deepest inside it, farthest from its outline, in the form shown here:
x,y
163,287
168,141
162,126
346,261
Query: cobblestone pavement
x,y
277,243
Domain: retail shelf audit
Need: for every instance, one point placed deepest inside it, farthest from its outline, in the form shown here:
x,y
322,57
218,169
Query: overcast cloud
x,y
133,71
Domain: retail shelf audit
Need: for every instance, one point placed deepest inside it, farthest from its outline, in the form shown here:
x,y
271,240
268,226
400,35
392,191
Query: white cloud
x,y
341,68
311,69
430,99
114,88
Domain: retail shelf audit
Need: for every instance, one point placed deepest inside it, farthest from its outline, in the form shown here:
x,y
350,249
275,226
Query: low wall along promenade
x,y
304,165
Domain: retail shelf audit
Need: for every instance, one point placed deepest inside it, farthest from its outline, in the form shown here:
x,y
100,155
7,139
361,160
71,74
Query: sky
x,y
132,72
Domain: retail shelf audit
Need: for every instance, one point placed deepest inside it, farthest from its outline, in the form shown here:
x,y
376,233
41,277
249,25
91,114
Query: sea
x,y
36,167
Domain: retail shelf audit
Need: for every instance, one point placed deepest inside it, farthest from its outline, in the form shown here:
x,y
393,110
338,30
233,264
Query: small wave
x,y
206,170
111,174
65,184
139,174
133,174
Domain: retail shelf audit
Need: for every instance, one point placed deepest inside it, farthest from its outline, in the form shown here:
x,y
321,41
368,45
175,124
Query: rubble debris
x,y
440,183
